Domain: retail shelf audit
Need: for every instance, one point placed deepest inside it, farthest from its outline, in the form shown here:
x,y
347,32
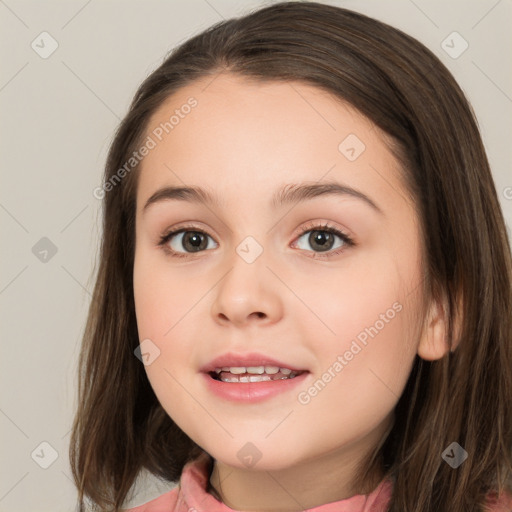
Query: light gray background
x,y
58,117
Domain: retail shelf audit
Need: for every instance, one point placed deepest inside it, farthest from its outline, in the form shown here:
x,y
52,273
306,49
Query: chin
x,y
255,456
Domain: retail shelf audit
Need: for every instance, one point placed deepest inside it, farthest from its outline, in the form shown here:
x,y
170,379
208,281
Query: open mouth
x,y
253,373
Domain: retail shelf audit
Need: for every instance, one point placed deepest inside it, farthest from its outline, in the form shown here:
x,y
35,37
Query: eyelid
x,y
322,225
184,227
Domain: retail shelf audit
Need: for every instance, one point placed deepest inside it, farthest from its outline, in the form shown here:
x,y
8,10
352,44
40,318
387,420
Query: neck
x,y
324,479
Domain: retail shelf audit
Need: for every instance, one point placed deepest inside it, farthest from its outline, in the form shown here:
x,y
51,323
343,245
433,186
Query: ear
x,y
433,343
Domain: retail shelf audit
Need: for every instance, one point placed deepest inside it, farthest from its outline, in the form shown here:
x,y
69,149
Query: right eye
x,y
183,241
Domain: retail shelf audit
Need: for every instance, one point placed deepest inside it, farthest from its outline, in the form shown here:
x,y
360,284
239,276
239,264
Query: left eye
x,y
322,240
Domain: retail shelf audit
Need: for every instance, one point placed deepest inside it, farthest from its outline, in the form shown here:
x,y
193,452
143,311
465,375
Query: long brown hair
x,y
400,85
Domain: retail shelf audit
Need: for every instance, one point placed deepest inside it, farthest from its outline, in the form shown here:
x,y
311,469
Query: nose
x,y
248,294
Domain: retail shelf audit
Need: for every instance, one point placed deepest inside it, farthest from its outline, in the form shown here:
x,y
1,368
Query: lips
x,y
251,378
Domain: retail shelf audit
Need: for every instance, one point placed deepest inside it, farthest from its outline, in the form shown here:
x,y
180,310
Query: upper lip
x,y
245,360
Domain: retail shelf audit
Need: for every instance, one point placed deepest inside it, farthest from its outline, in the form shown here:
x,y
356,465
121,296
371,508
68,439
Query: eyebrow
x,y
290,194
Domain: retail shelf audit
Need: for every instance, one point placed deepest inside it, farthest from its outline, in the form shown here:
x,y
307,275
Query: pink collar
x,y
193,496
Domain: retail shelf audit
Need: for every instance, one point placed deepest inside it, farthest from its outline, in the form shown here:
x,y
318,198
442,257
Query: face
x,y
325,283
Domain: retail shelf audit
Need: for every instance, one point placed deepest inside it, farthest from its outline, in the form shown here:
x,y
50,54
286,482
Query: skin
x,y
243,141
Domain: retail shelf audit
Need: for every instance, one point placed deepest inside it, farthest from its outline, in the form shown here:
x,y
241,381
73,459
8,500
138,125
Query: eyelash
x,y
326,227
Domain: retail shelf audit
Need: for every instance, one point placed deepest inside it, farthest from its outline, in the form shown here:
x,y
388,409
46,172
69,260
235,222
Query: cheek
x,y
366,347
161,298
157,309
166,307
361,373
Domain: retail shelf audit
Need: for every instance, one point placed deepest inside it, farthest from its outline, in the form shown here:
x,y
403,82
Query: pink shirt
x,y
191,496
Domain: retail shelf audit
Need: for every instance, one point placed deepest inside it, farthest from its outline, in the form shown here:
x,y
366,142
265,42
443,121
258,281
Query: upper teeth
x,y
257,370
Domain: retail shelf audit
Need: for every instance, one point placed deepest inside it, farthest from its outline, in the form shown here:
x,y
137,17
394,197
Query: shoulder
x,y
379,499
149,492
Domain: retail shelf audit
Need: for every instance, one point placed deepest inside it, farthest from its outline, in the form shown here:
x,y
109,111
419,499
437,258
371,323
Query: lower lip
x,y
251,391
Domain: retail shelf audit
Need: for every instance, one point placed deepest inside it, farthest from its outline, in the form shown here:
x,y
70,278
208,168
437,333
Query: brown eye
x,y
186,241
322,239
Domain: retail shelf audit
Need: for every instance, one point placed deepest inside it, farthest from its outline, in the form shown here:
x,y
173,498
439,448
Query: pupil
x,y
321,239
196,240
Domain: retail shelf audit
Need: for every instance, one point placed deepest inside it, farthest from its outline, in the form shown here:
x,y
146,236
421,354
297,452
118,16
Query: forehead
x,y
246,136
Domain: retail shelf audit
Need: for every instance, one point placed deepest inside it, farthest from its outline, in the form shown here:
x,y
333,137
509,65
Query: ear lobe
x,y
433,344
